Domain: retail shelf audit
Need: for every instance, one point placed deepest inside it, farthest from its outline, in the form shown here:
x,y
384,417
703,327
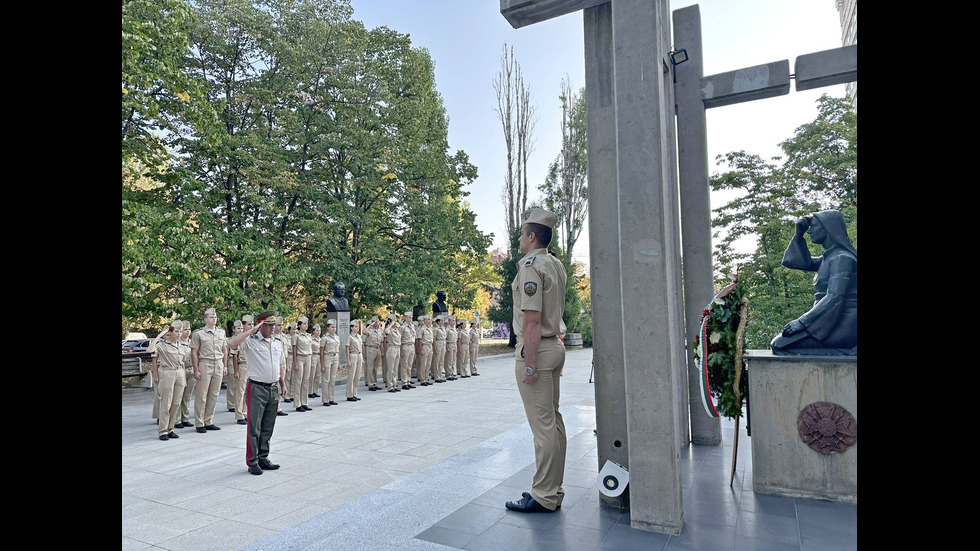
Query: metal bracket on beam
x,y
521,13
752,83
826,68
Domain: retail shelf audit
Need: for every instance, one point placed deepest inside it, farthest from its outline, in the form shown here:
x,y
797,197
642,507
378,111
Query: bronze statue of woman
x,y
830,327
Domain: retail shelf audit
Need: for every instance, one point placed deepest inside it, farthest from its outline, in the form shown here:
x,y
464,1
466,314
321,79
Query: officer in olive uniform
x,y
302,363
393,352
372,353
408,351
329,361
209,356
231,383
539,303
452,339
168,372
438,349
474,345
240,373
188,395
315,373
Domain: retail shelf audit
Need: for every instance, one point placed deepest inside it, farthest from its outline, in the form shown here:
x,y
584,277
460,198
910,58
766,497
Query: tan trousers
x,y
188,395
373,365
206,392
330,364
474,353
231,386
405,365
315,374
450,361
354,373
241,409
301,380
438,359
393,357
426,367
156,396
171,384
541,400
462,359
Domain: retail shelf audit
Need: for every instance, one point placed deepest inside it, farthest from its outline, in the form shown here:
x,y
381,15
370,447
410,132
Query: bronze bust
x,y
439,306
337,302
830,326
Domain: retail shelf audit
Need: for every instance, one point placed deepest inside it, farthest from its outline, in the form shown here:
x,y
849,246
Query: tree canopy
x,y
302,149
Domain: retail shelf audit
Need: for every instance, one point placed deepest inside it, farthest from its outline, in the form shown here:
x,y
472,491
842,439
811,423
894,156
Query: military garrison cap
x,y
247,318
237,323
331,322
303,319
539,216
316,326
210,312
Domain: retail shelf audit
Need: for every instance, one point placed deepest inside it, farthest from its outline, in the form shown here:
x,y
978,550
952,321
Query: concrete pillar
x,y
607,305
649,245
695,202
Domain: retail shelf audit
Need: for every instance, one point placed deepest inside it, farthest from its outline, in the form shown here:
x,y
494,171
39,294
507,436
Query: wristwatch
x,y
530,370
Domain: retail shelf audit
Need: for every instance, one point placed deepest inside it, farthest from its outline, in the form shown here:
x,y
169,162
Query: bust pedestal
x,y
820,391
343,331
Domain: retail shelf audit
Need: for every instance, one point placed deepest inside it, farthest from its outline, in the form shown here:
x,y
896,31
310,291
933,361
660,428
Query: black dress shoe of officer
x,y
187,424
173,434
405,387
212,427
392,390
164,437
281,413
352,399
202,429
476,375
410,385
232,410
287,400
527,504
242,422
332,403
307,408
326,404
267,465
254,469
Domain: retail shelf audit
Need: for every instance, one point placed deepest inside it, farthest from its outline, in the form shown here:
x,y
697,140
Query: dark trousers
x,y
263,403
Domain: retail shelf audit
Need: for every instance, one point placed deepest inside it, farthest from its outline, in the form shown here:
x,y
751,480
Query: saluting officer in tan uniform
x,y
354,360
393,352
240,373
302,363
168,372
231,383
463,355
408,351
188,394
474,345
372,353
539,303
315,373
438,349
425,338
452,339
329,361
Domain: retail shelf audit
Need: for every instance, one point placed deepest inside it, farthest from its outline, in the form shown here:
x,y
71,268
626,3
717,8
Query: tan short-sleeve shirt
x,y
209,343
540,286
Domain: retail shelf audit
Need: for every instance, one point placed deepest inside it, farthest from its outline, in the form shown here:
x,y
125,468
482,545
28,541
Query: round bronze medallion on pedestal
x,y
827,427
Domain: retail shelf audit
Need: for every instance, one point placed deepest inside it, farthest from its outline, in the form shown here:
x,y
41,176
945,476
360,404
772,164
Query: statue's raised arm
x,y
830,327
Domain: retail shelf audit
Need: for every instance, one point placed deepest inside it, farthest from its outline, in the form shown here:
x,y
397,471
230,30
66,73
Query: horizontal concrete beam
x,y
826,68
521,13
752,83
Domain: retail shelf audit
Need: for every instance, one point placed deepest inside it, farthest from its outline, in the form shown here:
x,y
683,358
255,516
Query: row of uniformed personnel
x,y
192,364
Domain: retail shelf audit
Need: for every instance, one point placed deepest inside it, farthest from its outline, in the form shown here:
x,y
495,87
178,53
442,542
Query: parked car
x,y
135,346
131,336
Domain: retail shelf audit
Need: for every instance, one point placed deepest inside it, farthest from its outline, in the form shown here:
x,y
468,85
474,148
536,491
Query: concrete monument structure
x,y
338,309
641,380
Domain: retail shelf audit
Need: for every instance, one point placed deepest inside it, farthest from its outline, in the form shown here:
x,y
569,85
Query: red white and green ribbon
x,y
701,355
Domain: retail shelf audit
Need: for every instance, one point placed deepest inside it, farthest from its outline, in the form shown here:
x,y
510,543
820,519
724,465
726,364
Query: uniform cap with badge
x,y
269,317
540,216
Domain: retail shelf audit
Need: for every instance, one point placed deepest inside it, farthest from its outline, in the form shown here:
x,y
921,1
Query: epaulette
x,y
528,261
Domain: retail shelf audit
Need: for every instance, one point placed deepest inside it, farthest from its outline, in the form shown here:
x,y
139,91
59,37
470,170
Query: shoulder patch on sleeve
x,y
530,288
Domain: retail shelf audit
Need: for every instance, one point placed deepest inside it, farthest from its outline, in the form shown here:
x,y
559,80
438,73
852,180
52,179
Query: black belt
x,y
260,383
551,337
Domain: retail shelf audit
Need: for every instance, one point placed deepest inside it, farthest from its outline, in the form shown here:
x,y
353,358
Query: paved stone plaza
x,y
430,469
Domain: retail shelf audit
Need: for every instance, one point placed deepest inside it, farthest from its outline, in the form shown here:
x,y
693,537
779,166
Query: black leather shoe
x,y
267,465
352,399
307,408
476,374
201,429
242,422
172,434
164,437
315,395
187,424
527,504
410,385
424,384
309,396
281,413
373,388
405,387
287,400
326,404
332,403
231,410
356,398
254,469
212,427
398,390
392,390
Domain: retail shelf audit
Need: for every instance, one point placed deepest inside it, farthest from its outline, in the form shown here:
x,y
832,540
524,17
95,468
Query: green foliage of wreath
x,y
724,315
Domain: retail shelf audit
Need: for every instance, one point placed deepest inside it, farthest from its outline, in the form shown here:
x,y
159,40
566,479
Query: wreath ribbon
x,y
702,355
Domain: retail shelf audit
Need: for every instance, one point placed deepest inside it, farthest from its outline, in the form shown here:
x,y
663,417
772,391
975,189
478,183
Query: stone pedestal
x,y
343,331
820,391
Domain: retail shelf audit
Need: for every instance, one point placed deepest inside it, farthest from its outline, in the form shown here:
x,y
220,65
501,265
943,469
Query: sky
x,y
465,39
